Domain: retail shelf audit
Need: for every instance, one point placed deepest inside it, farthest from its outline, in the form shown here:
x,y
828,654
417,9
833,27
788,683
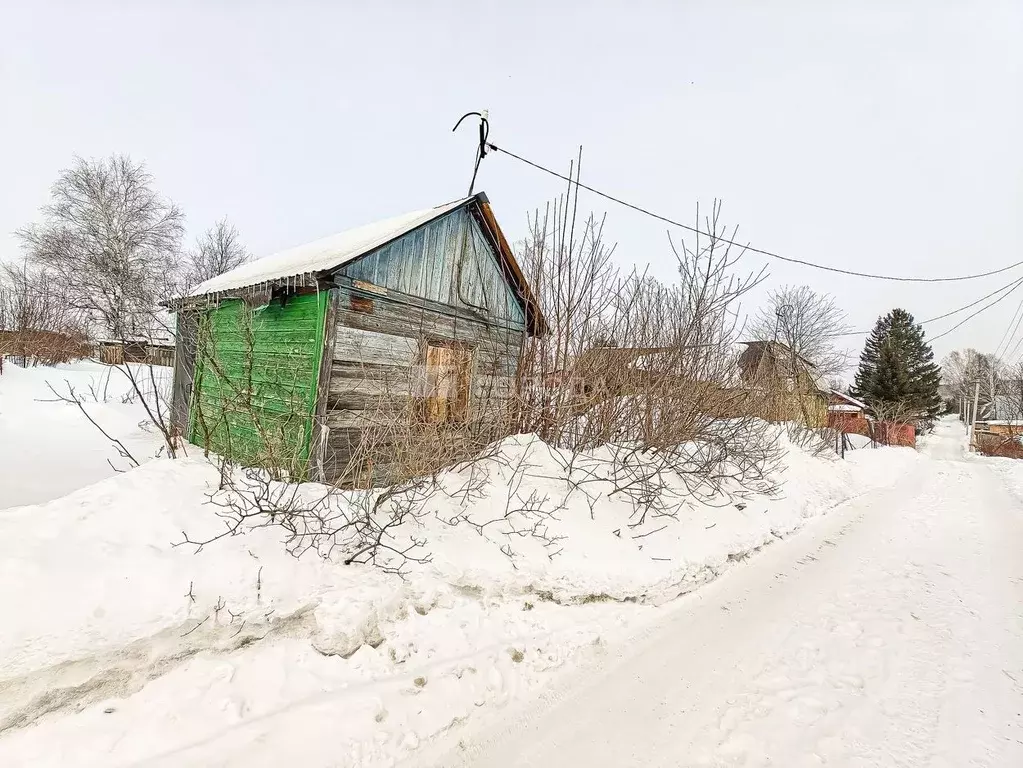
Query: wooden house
x,y
784,384
602,372
847,414
339,359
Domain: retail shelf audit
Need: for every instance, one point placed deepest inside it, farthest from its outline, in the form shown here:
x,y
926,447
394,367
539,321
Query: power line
x,y
956,311
748,247
1011,354
1007,334
1018,342
1004,296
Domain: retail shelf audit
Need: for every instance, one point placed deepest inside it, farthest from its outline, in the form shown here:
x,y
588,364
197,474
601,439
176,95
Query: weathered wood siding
x,y
184,370
378,375
448,261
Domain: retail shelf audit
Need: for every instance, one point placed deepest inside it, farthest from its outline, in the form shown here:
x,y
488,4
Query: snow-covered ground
x,y
891,634
119,648
49,449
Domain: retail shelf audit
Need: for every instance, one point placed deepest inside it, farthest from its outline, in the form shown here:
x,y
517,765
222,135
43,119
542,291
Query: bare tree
x,y
640,369
111,240
217,250
807,322
1010,393
962,370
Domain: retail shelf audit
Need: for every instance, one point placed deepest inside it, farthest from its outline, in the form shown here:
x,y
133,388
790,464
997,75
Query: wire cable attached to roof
x,y
481,148
746,246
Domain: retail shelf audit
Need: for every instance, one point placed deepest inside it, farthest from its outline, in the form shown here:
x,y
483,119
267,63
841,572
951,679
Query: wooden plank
x,y
360,346
345,369
414,313
341,387
534,317
395,406
184,370
320,430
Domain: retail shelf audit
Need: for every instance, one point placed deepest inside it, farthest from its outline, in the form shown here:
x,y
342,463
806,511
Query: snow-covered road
x,y
889,634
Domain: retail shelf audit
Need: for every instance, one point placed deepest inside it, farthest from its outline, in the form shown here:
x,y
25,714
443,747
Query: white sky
x,y
844,133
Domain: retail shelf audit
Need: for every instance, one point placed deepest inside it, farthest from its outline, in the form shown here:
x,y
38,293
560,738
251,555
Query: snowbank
x,y
161,647
49,449
156,646
119,647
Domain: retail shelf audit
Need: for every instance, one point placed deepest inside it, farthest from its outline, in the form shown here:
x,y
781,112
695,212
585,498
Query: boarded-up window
x,y
449,380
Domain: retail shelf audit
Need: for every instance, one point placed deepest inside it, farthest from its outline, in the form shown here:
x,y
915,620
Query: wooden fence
x,y
991,444
118,353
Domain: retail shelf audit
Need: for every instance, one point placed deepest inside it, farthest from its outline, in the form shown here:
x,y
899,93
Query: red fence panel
x,y
893,433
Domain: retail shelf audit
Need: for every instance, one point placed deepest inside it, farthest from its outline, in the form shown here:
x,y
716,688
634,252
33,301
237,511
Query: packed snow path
x,y
890,634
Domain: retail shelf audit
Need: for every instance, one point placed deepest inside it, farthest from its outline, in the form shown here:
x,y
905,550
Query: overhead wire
x,y
1013,352
1004,296
747,246
956,311
1008,337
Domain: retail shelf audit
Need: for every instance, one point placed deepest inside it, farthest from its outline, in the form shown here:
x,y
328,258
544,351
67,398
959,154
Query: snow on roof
x,y
324,254
845,408
851,400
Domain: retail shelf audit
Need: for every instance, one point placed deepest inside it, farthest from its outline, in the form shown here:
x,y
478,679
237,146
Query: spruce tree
x,y
897,369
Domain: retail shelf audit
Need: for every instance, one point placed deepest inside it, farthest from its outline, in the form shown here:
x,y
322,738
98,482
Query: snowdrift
x,y
121,646
48,449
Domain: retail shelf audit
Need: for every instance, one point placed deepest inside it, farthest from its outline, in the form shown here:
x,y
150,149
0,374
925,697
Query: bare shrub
x,y
644,367
72,397
37,326
356,527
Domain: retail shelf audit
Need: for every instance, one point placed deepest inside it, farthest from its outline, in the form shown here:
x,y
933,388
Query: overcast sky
x,y
849,134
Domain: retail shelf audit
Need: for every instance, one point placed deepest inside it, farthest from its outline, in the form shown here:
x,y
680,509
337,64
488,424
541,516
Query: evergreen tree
x,y
897,369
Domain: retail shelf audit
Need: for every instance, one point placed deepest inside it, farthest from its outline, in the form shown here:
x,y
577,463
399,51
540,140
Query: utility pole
x,y
973,419
993,393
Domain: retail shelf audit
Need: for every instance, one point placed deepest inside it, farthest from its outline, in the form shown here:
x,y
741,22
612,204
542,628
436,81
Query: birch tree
x,y
807,322
111,240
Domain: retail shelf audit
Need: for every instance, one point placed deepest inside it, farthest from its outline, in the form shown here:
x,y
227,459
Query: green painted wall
x,y
255,382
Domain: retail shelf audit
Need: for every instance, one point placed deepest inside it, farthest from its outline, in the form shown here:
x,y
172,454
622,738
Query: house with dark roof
x,y
784,383
329,359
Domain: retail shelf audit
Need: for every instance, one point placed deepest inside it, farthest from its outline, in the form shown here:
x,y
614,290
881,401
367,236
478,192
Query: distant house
x,y
148,341
773,363
390,331
787,384
1003,408
601,372
847,413
1001,418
